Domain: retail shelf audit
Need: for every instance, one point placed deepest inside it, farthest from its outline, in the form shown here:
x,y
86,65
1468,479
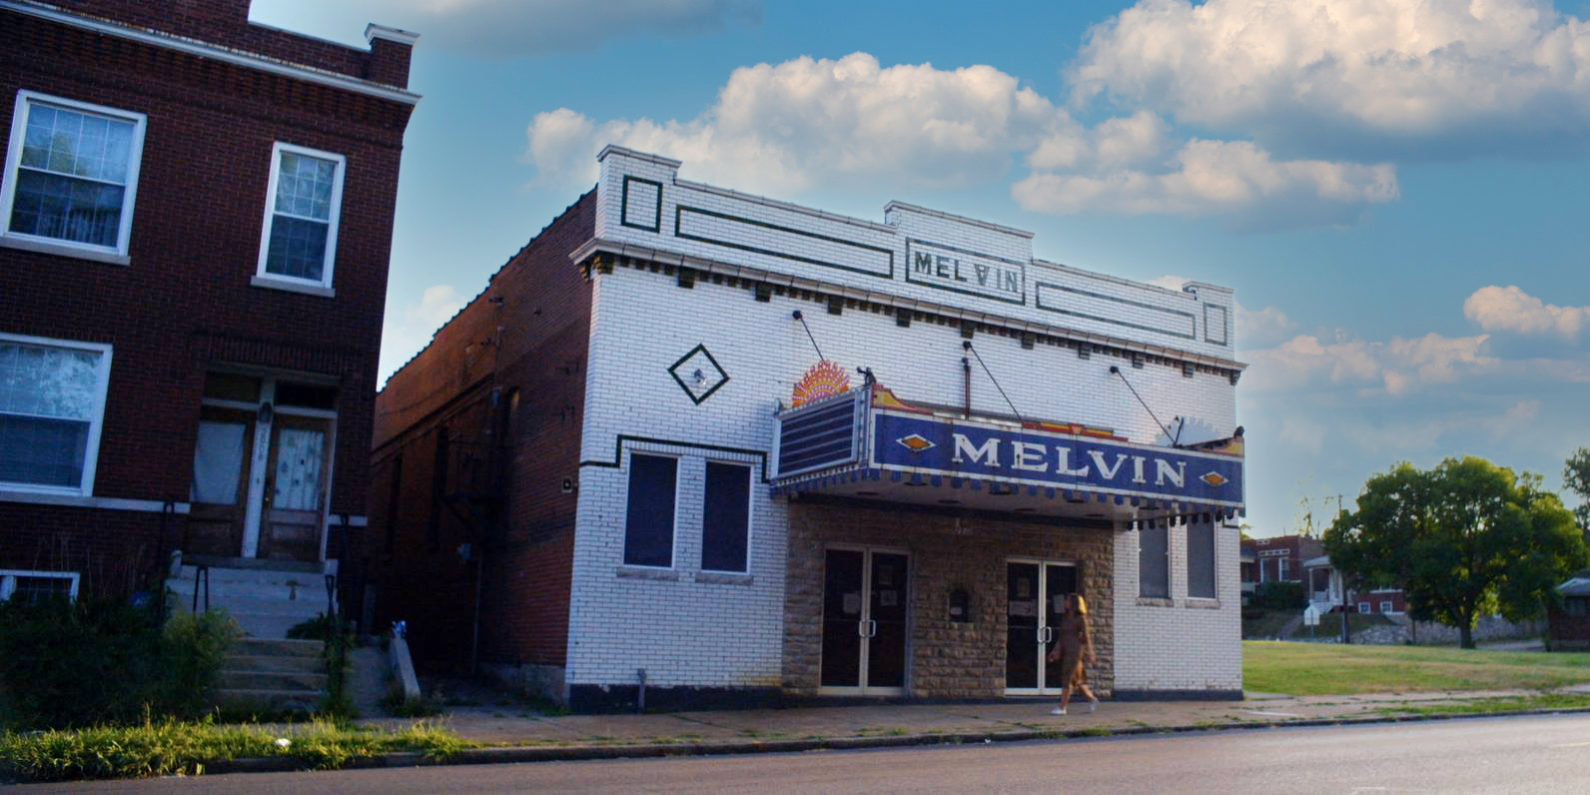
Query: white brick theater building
x,y
819,456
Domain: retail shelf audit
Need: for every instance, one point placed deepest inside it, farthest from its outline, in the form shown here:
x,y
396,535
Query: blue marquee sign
x,y
939,446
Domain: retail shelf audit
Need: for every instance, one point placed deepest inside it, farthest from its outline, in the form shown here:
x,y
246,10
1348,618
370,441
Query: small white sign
x,y
1311,616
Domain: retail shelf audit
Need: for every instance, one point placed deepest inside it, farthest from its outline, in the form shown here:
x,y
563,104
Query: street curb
x,y
581,753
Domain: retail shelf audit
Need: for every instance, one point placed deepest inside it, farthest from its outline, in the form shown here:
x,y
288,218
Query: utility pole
x,y
1347,633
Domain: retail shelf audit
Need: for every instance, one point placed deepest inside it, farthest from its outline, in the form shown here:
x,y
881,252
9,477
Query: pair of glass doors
x,y
1035,594
865,595
865,630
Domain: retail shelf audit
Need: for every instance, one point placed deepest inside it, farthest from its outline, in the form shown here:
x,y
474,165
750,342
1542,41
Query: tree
x,y
1462,540
1576,475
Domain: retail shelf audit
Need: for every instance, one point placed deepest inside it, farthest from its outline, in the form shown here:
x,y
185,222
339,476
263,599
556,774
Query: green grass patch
x,y
1316,669
1486,706
170,747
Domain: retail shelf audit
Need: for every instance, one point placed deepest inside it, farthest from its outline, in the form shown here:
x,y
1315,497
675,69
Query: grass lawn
x,y
169,748
1317,669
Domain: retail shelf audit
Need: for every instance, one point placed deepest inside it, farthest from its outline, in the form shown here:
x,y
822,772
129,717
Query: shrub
x,y
193,648
103,661
1280,595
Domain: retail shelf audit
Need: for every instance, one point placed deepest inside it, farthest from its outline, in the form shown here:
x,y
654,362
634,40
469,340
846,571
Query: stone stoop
x,y
265,601
273,674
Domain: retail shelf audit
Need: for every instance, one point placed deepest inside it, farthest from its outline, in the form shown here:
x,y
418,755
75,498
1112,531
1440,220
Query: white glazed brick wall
x,y
684,632
1139,305
1192,645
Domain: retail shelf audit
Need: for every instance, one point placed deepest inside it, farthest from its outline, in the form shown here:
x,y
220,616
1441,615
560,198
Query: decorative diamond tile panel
x,y
698,374
915,443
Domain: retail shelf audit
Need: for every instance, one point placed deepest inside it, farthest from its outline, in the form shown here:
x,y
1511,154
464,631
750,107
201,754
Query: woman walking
x,y
1074,643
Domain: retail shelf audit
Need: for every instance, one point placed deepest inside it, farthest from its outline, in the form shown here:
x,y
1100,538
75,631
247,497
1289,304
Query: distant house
x,y
1568,626
1278,559
1324,589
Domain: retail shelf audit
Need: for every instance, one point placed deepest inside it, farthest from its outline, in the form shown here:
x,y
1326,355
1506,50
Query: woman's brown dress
x,y
1073,639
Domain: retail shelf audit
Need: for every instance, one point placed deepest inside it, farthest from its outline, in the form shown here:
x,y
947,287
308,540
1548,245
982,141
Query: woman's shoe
x,y
1093,705
1057,711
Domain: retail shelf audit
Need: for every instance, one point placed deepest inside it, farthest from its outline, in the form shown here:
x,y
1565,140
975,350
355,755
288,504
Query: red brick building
x,y
1278,559
1568,626
195,224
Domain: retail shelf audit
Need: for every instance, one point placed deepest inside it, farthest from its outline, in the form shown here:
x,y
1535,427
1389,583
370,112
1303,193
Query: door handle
x,y
861,628
1045,634
872,628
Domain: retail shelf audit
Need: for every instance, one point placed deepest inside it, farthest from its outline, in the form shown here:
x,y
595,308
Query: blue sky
x,y
1397,190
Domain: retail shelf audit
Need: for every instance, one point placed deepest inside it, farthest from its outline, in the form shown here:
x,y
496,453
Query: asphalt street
x,y
1519,754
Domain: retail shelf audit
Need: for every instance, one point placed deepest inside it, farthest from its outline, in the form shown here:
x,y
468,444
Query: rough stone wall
x,y
945,659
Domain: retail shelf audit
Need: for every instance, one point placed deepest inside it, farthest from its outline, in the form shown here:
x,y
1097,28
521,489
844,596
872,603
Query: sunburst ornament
x,y
825,379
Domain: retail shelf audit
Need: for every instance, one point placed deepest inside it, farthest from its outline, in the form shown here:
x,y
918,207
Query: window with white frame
x,y
649,518
71,173
726,518
33,587
52,401
1363,607
1385,607
303,204
1153,561
1201,560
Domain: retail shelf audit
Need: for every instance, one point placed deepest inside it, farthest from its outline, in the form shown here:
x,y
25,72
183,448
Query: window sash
x,y
726,518
278,218
649,516
113,166
79,416
1153,562
1201,579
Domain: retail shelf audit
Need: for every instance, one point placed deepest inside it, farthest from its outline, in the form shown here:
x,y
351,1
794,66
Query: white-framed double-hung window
x,y
52,404
298,245
70,177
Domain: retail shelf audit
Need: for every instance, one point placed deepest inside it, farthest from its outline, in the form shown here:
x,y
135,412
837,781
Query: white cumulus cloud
x,y
1364,78
1219,177
1511,309
1399,366
789,127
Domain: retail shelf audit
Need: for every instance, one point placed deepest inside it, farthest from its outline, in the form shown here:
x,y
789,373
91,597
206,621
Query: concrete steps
x,y
273,675
264,601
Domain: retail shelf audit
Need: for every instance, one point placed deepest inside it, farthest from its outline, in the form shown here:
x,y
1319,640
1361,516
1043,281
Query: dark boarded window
x,y
726,525
649,524
1153,562
1201,560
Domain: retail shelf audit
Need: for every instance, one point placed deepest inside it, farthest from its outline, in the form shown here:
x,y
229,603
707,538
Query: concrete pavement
x,y
1518,754
507,725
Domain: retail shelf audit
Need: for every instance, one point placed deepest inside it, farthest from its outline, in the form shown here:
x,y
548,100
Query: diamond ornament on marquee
x,y
915,443
1214,479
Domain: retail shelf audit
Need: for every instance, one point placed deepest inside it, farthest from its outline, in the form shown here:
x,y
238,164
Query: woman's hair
x,y
1081,604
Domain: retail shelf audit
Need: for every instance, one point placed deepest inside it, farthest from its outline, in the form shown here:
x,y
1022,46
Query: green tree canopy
x,y
1462,540
1577,477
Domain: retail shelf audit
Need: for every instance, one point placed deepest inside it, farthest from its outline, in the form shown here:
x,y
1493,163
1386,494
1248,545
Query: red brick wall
x,y
225,22
185,300
1569,630
114,551
527,332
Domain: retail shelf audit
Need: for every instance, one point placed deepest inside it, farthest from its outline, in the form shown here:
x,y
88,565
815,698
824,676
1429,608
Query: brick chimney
x,y
390,50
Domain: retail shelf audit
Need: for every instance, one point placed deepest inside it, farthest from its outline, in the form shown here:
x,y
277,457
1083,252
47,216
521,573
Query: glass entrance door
x,y
1034,592
865,594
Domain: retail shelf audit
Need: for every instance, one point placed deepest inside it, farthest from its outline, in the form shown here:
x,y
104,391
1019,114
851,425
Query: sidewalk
x,y
859,726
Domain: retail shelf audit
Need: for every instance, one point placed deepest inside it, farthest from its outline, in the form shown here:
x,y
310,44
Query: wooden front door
x,y
295,488
219,497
